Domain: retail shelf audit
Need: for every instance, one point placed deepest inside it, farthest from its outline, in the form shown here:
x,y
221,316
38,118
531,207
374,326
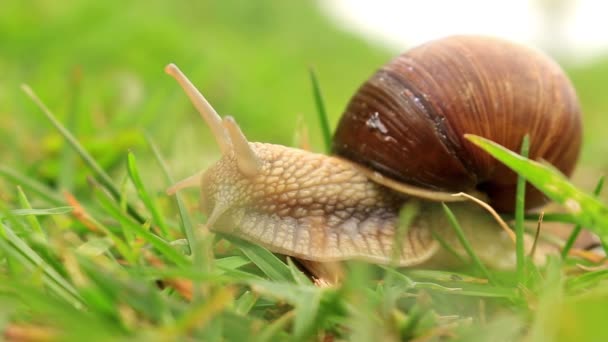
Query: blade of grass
x,y
63,287
520,197
586,280
31,219
578,228
13,254
272,331
299,277
129,236
553,217
161,245
307,315
66,161
231,262
143,194
588,211
199,315
32,186
465,243
96,226
245,303
445,245
323,119
186,226
274,268
110,288
407,283
415,315
74,324
443,276
539,224
41,212
98,171
407,214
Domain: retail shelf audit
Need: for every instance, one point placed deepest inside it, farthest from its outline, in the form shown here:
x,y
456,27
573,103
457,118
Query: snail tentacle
x,y
248,163
192,181
213,120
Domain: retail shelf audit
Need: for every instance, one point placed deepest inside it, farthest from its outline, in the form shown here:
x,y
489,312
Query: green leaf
x,y
299,277
578,228
231,262
143,194
41,212
323,119
95,247
159,243
465,243
307,313
520,199
245,303
268,263
31,219
31,260
199,314
187,227
588,211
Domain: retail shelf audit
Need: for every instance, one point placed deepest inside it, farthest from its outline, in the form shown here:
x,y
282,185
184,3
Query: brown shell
x,y
409,118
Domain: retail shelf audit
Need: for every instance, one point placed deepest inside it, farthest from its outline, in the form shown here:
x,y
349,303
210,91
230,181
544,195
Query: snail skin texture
x,y
410,115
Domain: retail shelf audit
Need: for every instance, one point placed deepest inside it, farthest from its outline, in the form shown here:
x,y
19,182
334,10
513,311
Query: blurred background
x,y
99,67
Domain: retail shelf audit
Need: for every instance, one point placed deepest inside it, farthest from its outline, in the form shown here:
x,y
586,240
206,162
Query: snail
x,y
400,139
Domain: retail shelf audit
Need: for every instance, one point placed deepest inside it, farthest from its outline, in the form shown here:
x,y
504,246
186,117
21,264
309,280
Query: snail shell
x,y
408,120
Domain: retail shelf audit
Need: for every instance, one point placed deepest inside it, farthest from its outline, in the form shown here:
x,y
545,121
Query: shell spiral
x,y
408,120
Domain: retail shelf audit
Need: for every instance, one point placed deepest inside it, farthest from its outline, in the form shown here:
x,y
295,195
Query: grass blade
x,y
187,228
520,198
200,314
553,217
445,245
143,194
299,277
67,156
33,260
32,186
577,229
407,214
465,243
161,245
272,266
322,113
103,177
245,303
41,212
31,219
588,211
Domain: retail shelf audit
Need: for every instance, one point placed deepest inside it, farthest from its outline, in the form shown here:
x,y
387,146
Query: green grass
x,y
91,248
117,277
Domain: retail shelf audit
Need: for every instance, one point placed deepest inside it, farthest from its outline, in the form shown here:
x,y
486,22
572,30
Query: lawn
x,y
91,247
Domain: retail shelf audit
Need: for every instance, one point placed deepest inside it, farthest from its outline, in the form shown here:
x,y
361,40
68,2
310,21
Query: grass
x,y
91,247
117,277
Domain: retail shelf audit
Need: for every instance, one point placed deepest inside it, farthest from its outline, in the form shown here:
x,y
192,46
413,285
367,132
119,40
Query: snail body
x,y
327,208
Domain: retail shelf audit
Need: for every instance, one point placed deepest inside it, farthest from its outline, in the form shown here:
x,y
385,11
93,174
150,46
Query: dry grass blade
x,y
183,286
29,332
537,234
492,212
